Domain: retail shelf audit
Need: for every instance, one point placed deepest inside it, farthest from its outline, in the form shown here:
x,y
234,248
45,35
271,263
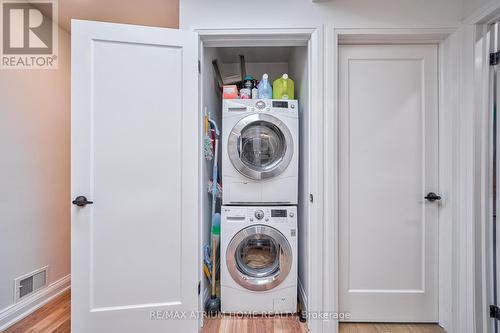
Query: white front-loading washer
x,y
259,259
260,149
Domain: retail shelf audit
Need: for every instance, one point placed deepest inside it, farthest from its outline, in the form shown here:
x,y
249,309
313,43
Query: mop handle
x,y
214,177
214,250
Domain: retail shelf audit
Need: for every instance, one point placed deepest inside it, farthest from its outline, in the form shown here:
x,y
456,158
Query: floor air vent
x,y
28,284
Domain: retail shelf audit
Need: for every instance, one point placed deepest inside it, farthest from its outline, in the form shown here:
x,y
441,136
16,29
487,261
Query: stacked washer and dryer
x,y
260,140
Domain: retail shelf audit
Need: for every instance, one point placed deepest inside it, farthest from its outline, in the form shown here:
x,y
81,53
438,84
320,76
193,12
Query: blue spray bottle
x,y
264,88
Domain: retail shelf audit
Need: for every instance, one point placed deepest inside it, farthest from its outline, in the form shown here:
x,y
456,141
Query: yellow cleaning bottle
x,y
283,88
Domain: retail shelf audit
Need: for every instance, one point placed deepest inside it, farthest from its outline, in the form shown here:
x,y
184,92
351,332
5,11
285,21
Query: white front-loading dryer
x,y
260,149
259,259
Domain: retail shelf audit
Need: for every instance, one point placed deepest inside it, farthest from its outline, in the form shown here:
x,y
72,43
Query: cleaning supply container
x,y
264,88
283,88
248,82
255,93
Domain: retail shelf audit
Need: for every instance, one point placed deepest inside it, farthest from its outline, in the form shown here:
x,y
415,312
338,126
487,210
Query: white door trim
x,y
475,85
293,36
390,36
256,37
482,205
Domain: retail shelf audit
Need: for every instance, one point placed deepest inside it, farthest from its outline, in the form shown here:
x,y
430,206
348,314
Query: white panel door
x,y
134,154
388,109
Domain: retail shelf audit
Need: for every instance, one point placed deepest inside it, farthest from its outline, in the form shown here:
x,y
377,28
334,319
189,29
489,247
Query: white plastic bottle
x,y
255,93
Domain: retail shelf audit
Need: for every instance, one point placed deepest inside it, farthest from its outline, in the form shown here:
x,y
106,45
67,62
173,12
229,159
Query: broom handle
x,y
214,177
214,250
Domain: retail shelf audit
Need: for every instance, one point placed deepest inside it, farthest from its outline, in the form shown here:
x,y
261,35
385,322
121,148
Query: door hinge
x,y
199,287
199,66
494,312
311,198
495,58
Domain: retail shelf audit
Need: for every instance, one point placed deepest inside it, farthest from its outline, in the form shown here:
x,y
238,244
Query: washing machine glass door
x,y
260,146
259,258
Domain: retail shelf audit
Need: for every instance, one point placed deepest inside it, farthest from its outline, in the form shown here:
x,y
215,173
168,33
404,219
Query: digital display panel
x,y
278,212
280,104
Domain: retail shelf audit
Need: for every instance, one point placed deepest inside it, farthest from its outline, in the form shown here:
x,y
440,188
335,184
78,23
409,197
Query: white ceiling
x,y
159,13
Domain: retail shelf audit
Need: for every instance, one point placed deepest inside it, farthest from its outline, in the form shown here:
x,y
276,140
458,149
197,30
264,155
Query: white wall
x,y
469,7
342,13
257,69
35,172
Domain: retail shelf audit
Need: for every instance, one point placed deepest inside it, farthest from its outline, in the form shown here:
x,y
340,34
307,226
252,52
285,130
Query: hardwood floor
x,y
290,324
54,317
389,328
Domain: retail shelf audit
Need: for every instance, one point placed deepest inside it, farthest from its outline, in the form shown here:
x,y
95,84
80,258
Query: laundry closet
x,y
265,207
143,218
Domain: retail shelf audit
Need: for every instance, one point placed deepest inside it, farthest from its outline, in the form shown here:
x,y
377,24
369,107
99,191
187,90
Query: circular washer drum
x,y
259,258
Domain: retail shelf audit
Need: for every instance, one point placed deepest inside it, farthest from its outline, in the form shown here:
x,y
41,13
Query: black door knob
x,y
431,196
81,201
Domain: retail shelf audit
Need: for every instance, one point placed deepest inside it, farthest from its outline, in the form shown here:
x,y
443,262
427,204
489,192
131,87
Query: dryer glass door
x,y
259,258
260,146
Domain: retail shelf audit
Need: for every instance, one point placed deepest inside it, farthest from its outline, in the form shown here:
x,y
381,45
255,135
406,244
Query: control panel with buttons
x,y
270,214
260,214
261,105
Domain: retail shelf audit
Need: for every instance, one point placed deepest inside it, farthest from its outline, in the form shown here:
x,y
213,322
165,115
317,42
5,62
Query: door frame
x,y
312,37
476,71
334,36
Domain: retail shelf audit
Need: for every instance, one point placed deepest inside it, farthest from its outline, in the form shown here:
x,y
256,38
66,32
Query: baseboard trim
x,y
302,296
14,313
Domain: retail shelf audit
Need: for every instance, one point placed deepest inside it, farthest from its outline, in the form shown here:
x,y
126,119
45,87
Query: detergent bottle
x,y
264,88
283,88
